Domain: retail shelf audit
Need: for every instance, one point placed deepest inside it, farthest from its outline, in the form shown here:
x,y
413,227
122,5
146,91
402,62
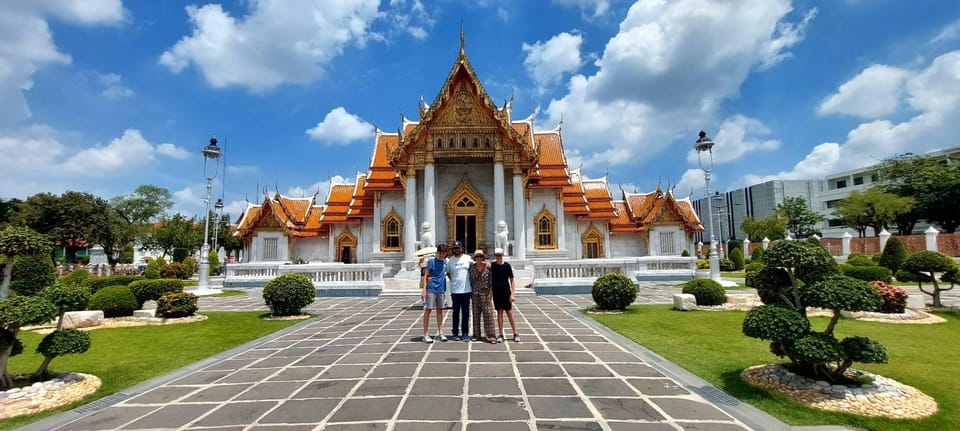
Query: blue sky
x,y
104,95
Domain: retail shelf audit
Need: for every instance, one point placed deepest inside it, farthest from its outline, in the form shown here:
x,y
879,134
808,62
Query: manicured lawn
x,y
733,274
710,345
229,293
123,357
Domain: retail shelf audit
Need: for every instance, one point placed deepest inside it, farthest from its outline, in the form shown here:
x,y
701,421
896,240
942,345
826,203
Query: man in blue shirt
x,y
433,286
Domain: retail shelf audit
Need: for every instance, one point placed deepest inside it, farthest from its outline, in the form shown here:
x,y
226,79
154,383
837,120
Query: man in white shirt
x,y
458,267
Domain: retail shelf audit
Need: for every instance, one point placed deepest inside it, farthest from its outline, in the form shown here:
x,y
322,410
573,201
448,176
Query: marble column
x,y
499,194
430,198
410,221
519,219
332,252
377,221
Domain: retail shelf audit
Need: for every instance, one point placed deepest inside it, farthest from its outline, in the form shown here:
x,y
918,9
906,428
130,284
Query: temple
x,y
467,171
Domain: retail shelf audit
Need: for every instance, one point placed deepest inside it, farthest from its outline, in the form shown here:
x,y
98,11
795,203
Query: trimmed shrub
x,y
734,245
179,254
907,277
20,311
153,268
177,304
865,350
928,263
773,285
840,292
613,291
115,301
685,253
775,323
737,257
191,264
66,297
214,260
97,283
859,260
175,270
703,264
77,277
894,297
152,290
31,274
815,348
288,293
753,266
58,343
727,265
707,291
894,254
757,255
867,273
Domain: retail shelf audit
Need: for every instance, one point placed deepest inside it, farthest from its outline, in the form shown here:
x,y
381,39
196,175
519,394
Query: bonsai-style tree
x,y
15,313
894,254
798,275
18,241
66,297
924,265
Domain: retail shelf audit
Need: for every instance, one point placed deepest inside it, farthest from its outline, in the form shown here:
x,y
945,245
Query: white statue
x,y
426,236
502,234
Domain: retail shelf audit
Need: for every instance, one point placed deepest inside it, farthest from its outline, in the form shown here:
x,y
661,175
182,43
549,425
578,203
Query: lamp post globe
x,y
705,145
211,153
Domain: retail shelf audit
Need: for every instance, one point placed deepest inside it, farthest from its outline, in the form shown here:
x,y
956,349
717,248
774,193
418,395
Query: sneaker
x,y
466,338
442,337
500,339
427,339
516,338
455,338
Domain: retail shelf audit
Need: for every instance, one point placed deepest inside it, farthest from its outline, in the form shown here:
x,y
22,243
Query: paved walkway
x,y
361,366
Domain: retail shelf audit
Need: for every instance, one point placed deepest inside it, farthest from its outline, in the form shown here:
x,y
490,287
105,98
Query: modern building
x,y
467,171
822,196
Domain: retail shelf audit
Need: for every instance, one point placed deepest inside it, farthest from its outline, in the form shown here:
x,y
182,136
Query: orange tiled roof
x,y
551,168
382,175
623,223
361,203
574,198
644,208
599,199
338,204
299,217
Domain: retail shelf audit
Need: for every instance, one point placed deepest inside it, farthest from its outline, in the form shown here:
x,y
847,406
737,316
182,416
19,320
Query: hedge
x,y
613,291
707,291
115,301
97,283
152,290
867,273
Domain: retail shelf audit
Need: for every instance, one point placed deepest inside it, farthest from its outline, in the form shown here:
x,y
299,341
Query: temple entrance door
x,y
466,232
466,214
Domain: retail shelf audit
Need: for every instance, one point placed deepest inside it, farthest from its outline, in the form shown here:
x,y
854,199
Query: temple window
x,y
270,249
592,244
439,143
463,143
391,228
667,244
487,143
476,143
546,226
453,144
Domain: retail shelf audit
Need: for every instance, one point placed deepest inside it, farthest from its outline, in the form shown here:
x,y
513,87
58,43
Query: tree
x,y
72,220
130,216
934,185
174,232
894,254
872,208
8,209
798,275
773,227
925,265
14,242
801,220
65,297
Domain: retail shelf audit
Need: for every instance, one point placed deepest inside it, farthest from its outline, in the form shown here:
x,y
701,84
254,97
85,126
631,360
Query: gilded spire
x,y
462,42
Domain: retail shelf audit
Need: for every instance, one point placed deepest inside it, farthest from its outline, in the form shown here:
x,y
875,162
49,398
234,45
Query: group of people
x,y
474,283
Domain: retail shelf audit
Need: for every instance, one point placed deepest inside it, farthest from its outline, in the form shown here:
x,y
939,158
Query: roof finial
x,y
462,42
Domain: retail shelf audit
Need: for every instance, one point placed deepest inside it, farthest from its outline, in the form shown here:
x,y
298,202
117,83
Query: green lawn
x,y
710,345
228,293
123,357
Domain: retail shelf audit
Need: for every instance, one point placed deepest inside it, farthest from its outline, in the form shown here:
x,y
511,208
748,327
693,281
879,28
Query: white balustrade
x,y
322,275
576,276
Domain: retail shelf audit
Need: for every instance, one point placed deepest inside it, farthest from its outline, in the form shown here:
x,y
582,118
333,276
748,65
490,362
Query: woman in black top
x,y
504,292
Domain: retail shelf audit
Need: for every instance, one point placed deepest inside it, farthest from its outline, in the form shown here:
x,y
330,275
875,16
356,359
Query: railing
x,y
588,268
577,276
256,270
330,279
332,273
666,263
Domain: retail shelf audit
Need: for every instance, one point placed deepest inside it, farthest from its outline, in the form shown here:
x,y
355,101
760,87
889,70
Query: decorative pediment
x,y
465,109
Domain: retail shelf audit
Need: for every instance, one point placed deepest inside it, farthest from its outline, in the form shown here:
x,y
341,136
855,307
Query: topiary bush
x,y
152,290
894,254
177,304
179,254
288,293
77,277
926,264
773,285
191,264
115,301
737,257
214,260
66,297
31,274
17,312
775,323
727,265
685,253
153,268
97,283
614,291
757,255
859,260
894,297
867,273
707,291
58,343
175,270
906,277
863,349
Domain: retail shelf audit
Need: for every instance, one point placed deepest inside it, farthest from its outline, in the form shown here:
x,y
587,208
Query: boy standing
x,y
433,286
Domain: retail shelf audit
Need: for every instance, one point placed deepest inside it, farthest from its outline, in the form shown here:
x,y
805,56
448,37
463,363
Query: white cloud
x,y
934,92
170,150
243,169
692,183
594,8
874,92
786,35
276,42
129,152
738,136
112,86
321,188
340,127
950,32
631,109
409,17
547,62
27,45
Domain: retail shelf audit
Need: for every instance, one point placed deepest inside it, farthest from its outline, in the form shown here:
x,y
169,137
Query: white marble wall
x,y
366,241
310,249
283,249
680,240
449,177
627,245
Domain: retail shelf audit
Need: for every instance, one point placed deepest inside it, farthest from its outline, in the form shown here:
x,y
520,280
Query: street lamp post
x,y
218,213
705,145
721,219
210,153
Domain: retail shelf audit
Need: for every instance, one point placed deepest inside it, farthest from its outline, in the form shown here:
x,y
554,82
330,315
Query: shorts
x,y
501,299
434,300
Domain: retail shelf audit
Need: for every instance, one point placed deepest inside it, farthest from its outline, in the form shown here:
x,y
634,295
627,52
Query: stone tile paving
x,y
361,366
